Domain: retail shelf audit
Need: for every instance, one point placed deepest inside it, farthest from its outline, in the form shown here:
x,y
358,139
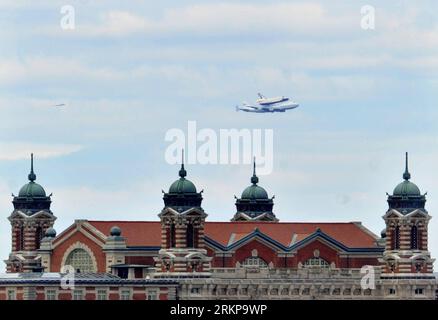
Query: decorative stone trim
x,y
79,245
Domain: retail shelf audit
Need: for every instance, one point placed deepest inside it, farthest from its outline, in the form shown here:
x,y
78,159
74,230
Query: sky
x,y
128,72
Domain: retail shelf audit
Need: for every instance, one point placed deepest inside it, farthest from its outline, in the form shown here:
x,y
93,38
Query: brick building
x,y
254,256
83,286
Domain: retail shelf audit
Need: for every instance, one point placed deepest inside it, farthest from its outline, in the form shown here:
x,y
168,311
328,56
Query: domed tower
x,y
29,220
254,204
406,247
182,231
182,194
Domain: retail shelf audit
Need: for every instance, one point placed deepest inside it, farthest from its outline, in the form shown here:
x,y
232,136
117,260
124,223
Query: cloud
x,y
50,69
185,80
118,23
21,150
222,19
5,229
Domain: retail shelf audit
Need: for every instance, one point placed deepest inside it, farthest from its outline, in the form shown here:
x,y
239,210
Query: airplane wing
x,y
247,108
247,105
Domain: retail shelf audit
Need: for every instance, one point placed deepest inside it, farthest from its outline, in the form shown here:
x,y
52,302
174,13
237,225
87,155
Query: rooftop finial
x,y
254,178
31,176
182,172
406,174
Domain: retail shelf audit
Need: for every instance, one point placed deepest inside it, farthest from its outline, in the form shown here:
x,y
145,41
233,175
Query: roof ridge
x,y
286,222
233,222
125,221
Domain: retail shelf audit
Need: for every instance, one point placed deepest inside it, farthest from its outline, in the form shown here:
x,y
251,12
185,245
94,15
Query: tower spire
x,y
406,174
182,171
31,176
254,178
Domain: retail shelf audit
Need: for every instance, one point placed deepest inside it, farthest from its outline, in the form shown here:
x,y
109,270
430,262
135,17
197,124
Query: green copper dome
x,y
32,198
182,193
254,204
182,185
406,188
32,190
254,192
406,196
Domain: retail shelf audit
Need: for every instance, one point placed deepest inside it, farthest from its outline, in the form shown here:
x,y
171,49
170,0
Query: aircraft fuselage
x,y
279,106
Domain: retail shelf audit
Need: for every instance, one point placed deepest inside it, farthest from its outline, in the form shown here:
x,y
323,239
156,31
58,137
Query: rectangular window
x,y
78,295
391,291
20,239
196,290
101,294
172,236
189,236
419,291
11,295
125,294
138,273
152,295
51,294
123,273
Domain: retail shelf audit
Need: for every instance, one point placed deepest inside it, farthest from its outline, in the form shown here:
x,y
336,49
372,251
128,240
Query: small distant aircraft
x,y
263,105
59,105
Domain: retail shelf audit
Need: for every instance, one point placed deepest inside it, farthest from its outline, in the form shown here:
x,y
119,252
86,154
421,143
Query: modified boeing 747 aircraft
x,y
263,105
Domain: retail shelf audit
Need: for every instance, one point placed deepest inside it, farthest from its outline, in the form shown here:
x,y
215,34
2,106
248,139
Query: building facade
x,y
83,286
253,256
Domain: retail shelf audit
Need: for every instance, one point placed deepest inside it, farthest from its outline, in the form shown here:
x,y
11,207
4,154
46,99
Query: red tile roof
x,y
137,233
350,234
148,233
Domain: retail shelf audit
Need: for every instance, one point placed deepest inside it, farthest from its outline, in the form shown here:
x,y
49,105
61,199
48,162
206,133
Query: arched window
x,y
80,260
316,263
392,265
254,262
419,264
414,237
396,238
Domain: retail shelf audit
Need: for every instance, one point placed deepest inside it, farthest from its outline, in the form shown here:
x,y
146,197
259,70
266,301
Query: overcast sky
x,y
129,72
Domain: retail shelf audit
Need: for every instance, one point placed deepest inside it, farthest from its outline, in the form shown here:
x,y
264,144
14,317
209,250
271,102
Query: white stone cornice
x,y
256,237
246,217
398,214
419,212
194,210
94,230
169,211
20,214
99,239
392,211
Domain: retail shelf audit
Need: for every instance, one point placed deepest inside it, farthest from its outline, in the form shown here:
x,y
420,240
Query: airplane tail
x,y
237,108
